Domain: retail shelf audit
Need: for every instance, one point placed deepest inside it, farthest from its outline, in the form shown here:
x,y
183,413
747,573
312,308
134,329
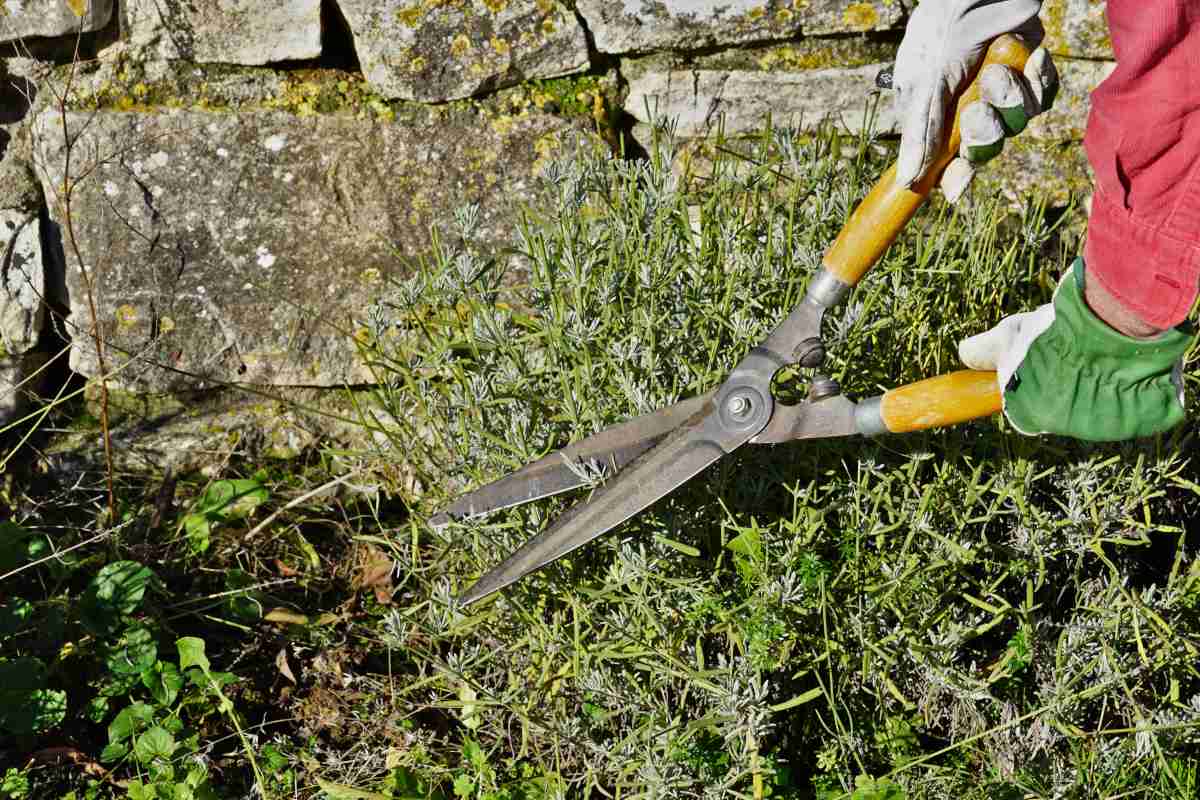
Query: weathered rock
x,y
23,18
1031,167
22,281
154,433
246,247
228,32
20,381
22,277
437,51
1067,119
642,25
1077,28
698,100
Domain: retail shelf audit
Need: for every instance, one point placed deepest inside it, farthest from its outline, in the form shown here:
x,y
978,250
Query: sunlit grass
x,y
961,612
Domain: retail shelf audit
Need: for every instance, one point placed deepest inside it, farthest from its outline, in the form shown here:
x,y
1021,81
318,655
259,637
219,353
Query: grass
x,y
966,612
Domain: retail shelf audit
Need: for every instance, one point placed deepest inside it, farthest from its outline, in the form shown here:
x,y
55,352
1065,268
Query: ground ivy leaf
x,y
164,681
116,591
191,653
135,653
113,751
156,743
26,704
131,719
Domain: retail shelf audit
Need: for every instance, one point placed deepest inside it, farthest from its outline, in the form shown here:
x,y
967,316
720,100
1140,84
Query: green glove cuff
x,y
1082,378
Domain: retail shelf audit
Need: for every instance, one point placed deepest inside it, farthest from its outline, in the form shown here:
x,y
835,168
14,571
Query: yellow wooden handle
x,y
945,400
884,212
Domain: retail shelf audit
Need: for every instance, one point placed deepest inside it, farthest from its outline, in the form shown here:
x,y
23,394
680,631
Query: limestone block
x,y
458,48
21,378
228,31
24,18
1067,119
698,99
247,247
630,26
1077,28
22,281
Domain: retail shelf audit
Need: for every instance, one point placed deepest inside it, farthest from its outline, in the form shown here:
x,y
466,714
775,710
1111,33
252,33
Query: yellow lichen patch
x,y
126,317
500,46
460,45
545,6
756,13
165,325
417,64
784,15
409,16
496,6
861,16
548,26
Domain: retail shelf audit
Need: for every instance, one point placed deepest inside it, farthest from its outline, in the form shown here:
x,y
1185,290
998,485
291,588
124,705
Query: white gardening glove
x,y
943,44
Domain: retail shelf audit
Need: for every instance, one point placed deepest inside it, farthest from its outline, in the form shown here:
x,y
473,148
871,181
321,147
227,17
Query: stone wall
x,y
228,184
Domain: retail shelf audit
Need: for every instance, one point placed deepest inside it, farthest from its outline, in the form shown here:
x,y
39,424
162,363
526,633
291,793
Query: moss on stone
x,y
805,54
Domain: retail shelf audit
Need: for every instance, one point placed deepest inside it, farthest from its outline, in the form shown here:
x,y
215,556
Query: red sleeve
x,y
1143,142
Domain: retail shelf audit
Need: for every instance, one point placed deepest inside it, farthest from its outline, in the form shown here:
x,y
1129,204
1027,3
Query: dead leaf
x,y
285,570
286,617
58,755
281,664
78,7
375,570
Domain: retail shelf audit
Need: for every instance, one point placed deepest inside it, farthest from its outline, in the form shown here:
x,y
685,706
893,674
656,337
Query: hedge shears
x,y
648,457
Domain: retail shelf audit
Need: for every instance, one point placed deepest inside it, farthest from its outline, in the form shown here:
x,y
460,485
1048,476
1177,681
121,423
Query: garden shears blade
x,y
647,458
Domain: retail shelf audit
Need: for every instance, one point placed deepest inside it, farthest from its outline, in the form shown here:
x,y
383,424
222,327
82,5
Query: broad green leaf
x,y
191,653
748,543
26,704
244,605
140,791
135,653
222,501
14,615
198,532
129,721
156,743
96,709
232,499
164,681
113,751
116,591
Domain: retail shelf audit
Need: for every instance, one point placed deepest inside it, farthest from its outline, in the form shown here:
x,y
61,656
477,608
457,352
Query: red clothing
x,y
1143,142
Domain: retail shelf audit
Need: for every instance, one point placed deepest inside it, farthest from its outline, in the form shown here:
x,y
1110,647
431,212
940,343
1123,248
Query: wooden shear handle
x,y
945,400
874,225
884,212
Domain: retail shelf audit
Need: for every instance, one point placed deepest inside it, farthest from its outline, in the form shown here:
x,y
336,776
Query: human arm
x,y
1142,251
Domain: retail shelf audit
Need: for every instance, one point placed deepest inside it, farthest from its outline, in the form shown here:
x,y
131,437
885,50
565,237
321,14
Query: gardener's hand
x,y
1064,370
943,44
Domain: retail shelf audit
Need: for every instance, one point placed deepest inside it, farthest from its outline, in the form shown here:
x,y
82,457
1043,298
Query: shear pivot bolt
x,y
823,387
810,352
739,405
